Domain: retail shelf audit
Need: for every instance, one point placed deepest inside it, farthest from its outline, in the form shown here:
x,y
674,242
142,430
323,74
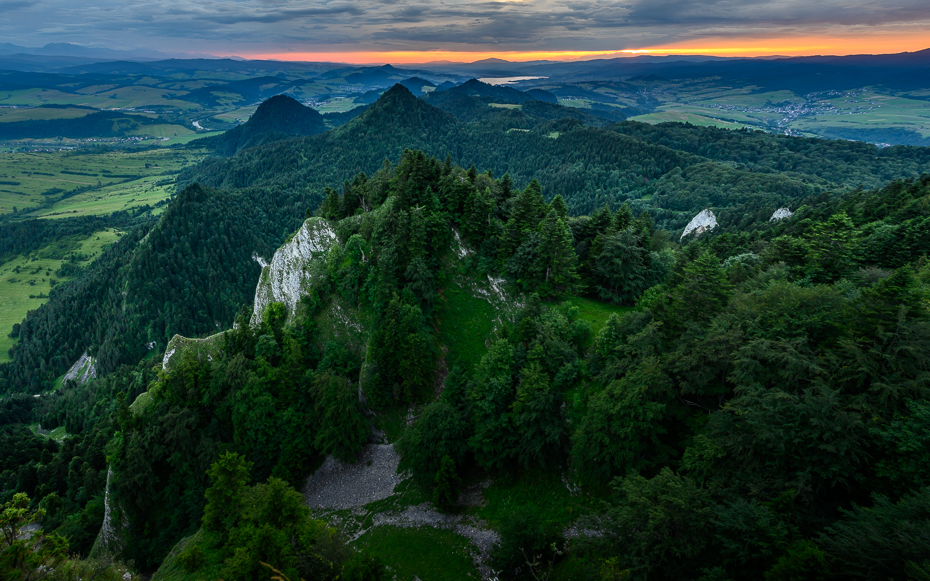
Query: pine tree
x,y
447,484
479,211
556,267
558,204
623,219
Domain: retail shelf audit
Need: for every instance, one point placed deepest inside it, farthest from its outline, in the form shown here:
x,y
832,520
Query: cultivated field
x,y
44,183
26,281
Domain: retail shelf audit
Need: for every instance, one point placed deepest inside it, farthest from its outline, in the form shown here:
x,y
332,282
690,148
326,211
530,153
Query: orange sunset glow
x,y
805,46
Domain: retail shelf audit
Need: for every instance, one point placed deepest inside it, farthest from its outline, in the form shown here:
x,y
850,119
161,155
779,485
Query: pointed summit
x,y
475,88
278,117
398,112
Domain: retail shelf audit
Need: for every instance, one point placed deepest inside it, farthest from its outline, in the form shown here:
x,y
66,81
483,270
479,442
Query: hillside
x,y
427,330
277,118
192,274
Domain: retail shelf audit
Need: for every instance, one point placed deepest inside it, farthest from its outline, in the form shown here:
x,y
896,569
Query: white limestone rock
x,y
83,370
204,348
289,275
781,214
703,222
112,536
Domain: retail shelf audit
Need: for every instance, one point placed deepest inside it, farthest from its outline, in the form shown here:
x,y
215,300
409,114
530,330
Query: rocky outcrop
x,y
781,214
83,370
290,274
703,222
207,348
111,538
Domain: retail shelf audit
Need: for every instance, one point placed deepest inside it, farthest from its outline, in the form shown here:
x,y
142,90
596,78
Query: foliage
x,y
27,555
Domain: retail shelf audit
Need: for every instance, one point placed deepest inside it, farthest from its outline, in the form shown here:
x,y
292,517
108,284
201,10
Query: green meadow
x,y
26,281
44,182
10,115
685,117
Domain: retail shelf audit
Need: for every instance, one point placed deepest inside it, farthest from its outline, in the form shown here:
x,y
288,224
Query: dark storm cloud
x,y
403,24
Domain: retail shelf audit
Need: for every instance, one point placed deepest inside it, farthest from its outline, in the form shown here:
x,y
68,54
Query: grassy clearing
x,y
425,553
393,422
13,115
683,117
594,311
189,138
338,105
163,130
241,114
542,492
504,106
146,191
58,434
465,321
26,280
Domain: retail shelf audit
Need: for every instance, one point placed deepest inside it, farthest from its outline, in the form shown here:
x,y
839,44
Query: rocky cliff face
x,y
703,222
781,214
83,370
290,273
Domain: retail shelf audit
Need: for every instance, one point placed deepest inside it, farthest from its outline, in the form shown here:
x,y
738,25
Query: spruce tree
x,y
556,267
623,219
558,204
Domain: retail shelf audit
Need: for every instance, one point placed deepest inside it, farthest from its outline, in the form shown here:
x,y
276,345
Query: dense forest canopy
x,y
760,409
659,170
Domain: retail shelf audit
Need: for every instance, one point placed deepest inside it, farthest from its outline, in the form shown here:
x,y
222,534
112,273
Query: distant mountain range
x,y
75,50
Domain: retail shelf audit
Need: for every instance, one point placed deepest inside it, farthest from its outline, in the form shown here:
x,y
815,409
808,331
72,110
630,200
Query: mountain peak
x,y
277,116
398,110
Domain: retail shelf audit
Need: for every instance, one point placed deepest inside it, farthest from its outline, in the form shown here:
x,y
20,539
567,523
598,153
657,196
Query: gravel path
x,y
338,485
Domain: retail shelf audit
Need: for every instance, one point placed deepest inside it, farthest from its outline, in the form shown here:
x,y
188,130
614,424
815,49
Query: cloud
x,y
249,25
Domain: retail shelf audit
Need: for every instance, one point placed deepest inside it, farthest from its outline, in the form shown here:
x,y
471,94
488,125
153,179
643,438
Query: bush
x,y
529,546
192,557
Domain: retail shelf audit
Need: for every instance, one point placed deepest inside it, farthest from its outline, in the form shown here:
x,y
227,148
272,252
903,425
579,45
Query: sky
x,y
404,31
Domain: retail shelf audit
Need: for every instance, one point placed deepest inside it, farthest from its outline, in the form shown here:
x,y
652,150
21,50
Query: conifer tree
x,y
556,267
558,204
623,219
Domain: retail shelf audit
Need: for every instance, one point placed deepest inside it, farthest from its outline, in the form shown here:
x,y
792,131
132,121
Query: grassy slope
x,y
683,117
425,553
38,269
12,115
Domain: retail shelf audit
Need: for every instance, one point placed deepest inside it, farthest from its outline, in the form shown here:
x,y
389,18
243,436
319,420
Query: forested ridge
x,y
760,412
587,166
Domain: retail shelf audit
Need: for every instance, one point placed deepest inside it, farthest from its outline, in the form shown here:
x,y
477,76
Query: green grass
x,y
683,117
58,434
594,311
13,115
31,180
109,199
504,106
36,271
393,422
338,105
189,138
542,492
465,321
870,110
163,130
426,553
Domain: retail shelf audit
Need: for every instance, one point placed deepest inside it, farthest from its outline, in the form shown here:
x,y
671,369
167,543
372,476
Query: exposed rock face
x,y
703,222
206,347
781,214
83,370
111,538
290,275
